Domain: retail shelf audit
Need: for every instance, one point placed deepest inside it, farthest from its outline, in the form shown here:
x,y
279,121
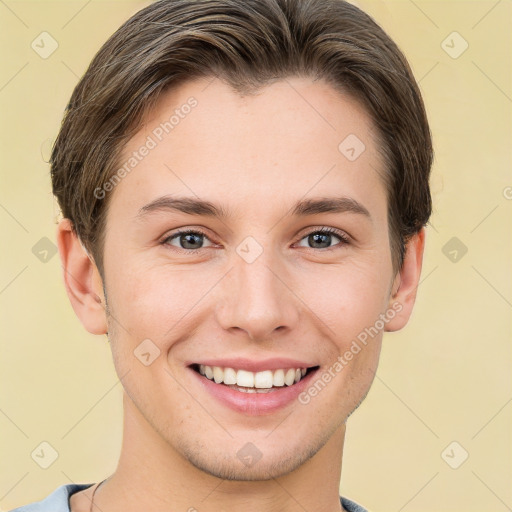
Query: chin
x,y
234,469
245,461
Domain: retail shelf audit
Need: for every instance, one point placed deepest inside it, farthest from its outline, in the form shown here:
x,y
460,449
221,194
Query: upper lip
x,y
251,365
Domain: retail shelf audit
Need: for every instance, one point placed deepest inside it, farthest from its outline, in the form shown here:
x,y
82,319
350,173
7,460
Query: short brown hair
x,y
248,44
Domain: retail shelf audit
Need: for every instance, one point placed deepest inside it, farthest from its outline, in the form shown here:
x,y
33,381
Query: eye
x,y
322,238
188,240
192,241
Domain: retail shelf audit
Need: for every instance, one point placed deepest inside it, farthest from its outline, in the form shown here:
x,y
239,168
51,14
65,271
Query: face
x,y
261,278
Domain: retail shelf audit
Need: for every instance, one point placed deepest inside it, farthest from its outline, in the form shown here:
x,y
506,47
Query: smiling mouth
x,y
253,382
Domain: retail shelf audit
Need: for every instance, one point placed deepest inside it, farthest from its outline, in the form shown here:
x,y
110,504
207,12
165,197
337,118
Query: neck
x,y
152,475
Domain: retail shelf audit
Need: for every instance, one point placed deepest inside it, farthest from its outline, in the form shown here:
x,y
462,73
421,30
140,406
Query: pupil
x,y
319,238
188,239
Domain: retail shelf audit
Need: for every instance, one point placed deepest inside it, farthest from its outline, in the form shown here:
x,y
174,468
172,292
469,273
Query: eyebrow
x,y
329,205
204,208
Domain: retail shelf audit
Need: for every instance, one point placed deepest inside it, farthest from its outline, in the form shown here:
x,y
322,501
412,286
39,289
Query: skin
x,y
256,156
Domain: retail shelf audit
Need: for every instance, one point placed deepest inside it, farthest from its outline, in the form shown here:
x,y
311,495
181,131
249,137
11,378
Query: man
x,y
244,188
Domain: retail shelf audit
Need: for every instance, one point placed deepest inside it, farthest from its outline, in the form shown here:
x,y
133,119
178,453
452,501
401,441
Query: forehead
x,y
294,138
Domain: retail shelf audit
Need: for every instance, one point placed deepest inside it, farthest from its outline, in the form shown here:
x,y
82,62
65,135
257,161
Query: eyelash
x,y
325,231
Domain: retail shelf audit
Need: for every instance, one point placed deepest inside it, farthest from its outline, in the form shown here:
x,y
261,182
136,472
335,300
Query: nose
x,y
256,298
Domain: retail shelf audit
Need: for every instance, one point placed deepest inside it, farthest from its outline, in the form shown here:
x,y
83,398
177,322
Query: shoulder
x,y
57,501
351,506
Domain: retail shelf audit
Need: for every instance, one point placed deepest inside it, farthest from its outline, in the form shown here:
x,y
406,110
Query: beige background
x,y
445,378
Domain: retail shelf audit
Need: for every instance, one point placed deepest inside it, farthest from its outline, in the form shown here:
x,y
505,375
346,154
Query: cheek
x,y
154,302
351,299
150,312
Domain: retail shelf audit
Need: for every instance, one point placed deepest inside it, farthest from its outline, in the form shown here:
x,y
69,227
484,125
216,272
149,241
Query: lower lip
x,y
254,404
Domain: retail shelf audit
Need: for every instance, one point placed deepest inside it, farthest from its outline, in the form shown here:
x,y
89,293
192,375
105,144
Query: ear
x,y
82,280
406,283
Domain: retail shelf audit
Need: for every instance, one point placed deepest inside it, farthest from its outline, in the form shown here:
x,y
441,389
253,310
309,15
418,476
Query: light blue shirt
x,y
58,501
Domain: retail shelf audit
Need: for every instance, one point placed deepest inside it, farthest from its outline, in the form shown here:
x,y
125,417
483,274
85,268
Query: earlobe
x,y
82,280
403,295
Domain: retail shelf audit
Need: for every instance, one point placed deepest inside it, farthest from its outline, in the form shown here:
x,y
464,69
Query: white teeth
x,y
218,374
278,379
245,379
229,376
250,381
263,379
245,390
289,378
